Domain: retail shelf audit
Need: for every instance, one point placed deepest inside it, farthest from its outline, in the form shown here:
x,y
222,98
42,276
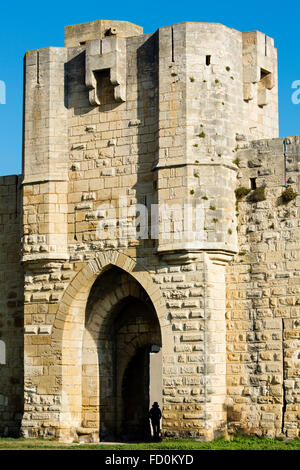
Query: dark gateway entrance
x,y
135,397
121,328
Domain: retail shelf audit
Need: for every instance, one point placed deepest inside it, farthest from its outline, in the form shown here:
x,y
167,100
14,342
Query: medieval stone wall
x,y
117,122
11,307
263,303
113,151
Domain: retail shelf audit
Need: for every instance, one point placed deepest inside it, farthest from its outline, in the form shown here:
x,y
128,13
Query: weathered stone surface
x,y
116,123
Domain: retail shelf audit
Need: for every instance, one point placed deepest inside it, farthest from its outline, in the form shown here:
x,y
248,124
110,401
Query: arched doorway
x,y
121,328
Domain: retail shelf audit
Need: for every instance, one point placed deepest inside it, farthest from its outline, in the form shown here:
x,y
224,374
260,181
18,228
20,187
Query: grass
x,y
237,161
238,442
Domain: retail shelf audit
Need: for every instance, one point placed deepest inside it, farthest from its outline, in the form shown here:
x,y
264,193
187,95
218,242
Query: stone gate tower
x,y
133,147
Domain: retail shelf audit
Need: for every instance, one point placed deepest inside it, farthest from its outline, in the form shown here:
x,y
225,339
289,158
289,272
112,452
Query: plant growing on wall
x,y
288,194
237,161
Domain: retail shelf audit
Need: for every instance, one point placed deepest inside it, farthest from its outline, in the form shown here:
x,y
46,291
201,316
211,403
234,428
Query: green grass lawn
x,y
236,443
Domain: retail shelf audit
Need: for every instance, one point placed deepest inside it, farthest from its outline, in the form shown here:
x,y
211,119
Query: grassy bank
x,y
236,443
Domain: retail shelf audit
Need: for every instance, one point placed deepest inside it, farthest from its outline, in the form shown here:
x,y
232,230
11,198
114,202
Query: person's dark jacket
x,y
155,414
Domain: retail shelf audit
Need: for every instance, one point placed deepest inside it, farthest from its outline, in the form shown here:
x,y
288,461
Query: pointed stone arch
x,y
121,323
69,326
75,294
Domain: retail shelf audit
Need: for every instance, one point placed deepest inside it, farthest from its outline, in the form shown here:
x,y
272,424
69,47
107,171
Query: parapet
x,y
259,66
81,34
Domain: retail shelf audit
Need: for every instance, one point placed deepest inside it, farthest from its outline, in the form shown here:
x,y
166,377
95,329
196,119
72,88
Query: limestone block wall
x,y
191,318
174,125
80,34
112,150
45,155
95,160
202,111
263,288
260,85
11,308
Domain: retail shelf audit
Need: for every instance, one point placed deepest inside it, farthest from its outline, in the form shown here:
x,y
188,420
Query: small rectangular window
x,y
208,59
253,183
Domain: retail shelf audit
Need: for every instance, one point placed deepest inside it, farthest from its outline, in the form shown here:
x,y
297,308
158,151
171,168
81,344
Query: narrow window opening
x,y
266,45
173,60
38,68
82,43
2,352
207,60
253,183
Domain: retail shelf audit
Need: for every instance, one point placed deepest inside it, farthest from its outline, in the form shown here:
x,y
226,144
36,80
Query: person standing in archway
x,y
155,417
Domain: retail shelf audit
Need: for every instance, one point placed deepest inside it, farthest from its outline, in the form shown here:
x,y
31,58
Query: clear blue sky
x,y
35,24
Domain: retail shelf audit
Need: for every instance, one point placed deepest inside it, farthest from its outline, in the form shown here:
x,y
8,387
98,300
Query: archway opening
x,y
121,328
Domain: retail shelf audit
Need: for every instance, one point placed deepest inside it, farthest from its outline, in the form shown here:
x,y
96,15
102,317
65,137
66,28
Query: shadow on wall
x,y
76,94
11,310
12,378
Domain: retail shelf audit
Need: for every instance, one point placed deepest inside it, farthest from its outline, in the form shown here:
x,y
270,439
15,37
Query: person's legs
x,y
155,430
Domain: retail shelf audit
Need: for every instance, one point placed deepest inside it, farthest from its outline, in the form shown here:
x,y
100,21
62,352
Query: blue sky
x,y
35,24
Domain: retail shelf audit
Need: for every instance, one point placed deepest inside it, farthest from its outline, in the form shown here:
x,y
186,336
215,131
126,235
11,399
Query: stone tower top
x,y
80,34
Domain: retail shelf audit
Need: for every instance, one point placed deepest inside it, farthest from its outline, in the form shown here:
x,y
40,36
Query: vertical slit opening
x,y
38,68
207,60
253,183
265,45
172,44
